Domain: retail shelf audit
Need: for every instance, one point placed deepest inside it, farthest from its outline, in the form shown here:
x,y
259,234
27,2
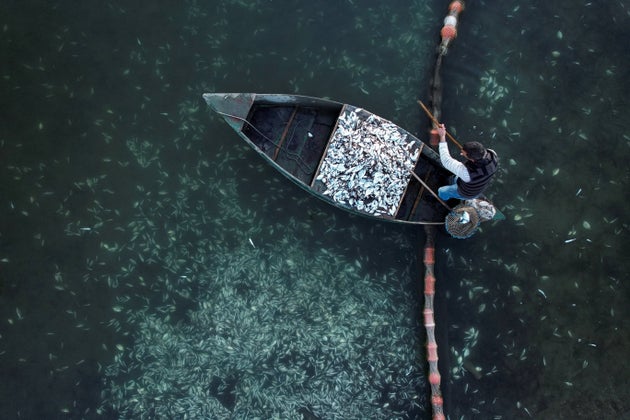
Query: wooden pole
x,y
424,184
437,123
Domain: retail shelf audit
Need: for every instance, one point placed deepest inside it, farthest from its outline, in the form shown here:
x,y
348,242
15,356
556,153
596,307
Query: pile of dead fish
x,y
368,162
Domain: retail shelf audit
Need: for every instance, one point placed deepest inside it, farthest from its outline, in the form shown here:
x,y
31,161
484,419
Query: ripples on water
x,y
152,265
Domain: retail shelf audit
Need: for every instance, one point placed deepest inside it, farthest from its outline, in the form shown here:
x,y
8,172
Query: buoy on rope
x,y
437,401
434,138
456,7
449,30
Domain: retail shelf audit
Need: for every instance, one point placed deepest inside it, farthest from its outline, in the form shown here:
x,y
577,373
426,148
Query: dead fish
x,y
367,163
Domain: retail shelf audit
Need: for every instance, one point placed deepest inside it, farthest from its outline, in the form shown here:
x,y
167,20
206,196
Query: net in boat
x,y
485,208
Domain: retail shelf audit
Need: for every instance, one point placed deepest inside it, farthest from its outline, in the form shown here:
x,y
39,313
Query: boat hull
x,y
342,154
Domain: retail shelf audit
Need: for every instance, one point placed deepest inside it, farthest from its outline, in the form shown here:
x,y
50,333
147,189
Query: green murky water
x,y
153,266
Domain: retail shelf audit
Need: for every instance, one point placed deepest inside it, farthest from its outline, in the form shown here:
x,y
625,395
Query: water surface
x,y
152,265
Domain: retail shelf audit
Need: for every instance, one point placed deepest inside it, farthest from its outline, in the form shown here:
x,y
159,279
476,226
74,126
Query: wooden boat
x,y
309,140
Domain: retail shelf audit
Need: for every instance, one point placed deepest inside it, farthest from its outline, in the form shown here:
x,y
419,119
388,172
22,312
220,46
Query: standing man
x,y
471,177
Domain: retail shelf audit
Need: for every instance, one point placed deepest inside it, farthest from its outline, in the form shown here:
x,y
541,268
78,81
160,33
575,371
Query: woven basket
x,y
462,222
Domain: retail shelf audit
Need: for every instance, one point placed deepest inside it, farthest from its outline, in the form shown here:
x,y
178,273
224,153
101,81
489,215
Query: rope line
x,y
448,33
437,402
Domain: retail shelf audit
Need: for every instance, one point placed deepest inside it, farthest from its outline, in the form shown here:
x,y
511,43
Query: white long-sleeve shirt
x,y
453,165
